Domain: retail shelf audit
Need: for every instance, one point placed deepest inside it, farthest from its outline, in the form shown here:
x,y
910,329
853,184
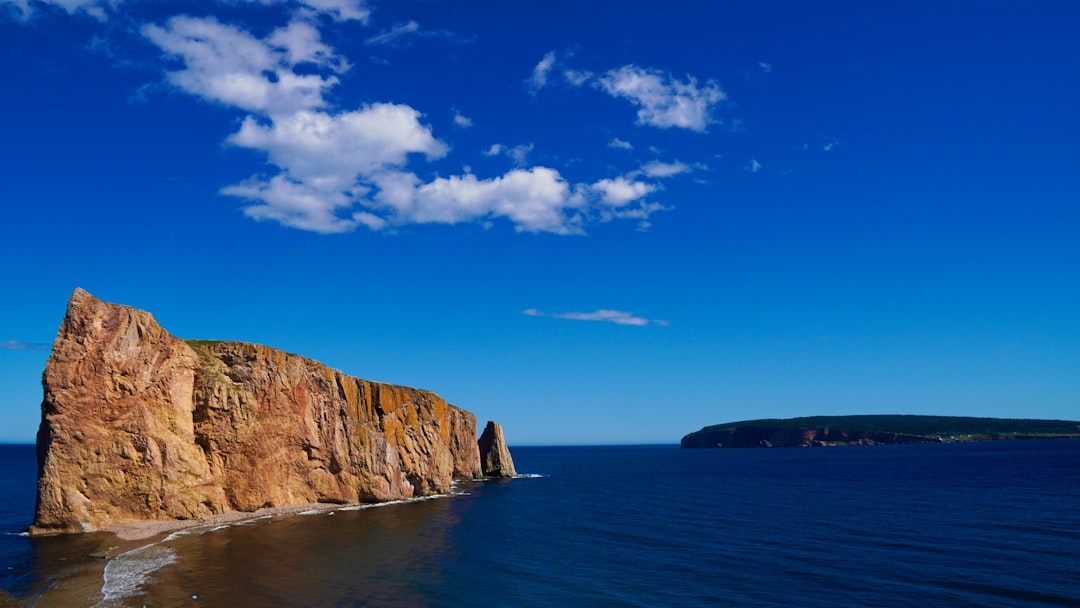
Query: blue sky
x,y
608,223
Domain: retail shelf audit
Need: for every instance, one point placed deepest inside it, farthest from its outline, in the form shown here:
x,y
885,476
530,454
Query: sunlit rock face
x,y
495,457
140,425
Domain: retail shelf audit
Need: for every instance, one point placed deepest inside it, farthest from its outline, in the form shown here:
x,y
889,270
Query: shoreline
x,y
144,529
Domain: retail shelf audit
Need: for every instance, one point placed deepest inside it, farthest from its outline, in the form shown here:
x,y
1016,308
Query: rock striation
x,y
140,425
495,457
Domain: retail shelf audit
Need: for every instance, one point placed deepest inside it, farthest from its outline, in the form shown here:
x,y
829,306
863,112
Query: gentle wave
x,y
128,572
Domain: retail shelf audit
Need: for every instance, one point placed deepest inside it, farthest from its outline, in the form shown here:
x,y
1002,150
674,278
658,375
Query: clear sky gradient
x,y
597,222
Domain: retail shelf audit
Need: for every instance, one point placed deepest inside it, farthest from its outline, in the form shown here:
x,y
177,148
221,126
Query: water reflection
x,y
379,556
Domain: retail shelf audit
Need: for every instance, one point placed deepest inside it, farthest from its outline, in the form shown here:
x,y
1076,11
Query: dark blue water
x,y
978,524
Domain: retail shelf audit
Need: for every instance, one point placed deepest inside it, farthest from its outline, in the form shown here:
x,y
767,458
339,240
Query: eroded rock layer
x,y
140,425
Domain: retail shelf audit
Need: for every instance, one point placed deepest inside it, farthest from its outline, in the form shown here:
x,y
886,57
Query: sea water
x,y
974,524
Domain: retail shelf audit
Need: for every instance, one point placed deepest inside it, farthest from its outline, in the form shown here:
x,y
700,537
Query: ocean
x,y
962,524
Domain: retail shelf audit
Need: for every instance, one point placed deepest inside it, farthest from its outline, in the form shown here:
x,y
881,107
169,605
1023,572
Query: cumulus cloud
x,y
535,200
227,65
620,191
333,169
662,100
334,149
618,317
621,144
19,345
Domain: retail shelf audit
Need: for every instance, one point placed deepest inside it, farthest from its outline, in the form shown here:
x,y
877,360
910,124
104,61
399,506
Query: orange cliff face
x,y
140,425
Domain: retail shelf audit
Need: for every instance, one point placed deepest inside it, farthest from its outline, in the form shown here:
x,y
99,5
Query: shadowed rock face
x,y
495,457
140,425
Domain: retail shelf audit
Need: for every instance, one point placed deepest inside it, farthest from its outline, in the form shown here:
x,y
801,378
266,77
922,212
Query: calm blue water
x,y
979,524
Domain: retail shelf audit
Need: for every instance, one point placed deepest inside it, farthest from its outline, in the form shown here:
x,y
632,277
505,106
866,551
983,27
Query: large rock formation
x,y
140,425
495,457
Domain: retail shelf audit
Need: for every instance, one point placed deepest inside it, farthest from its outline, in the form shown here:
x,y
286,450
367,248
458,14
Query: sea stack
x,y
495,457
140,425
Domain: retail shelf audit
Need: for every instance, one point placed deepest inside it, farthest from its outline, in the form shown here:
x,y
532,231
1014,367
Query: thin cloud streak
x,y
20,345
618,317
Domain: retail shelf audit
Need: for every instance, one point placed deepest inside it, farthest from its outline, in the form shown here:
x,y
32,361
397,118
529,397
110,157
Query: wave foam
x,y
126,573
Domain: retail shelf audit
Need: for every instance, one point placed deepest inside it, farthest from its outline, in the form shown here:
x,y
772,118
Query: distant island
x,y
820,431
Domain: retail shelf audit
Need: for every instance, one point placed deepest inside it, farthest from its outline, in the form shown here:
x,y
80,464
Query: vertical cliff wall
x,y
495,458
140,425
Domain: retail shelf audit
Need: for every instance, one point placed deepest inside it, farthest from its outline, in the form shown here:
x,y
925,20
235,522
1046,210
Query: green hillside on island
x,y
874,429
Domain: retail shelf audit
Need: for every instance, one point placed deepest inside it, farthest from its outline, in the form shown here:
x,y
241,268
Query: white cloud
x,y
94,8
765,67
20,345
462,121
621,144
394,34
754,166
620,191
519,153
829,145
661,169
535,200
296,204
228,65
663,101
577,77
618,317
337,148
335,170
539,78
339,10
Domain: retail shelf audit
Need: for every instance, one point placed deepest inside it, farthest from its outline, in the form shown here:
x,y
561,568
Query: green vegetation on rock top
x,y
930,426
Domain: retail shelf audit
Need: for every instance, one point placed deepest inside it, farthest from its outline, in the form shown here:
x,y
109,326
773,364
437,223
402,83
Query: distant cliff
x,y
140,425
872,430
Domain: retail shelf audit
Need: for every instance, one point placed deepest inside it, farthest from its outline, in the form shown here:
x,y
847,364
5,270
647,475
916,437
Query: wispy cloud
x,y
519,153
620,144
617,317
754,166
338,10
19,345
765,67
657,168
402,34
663,100
539,78
462,121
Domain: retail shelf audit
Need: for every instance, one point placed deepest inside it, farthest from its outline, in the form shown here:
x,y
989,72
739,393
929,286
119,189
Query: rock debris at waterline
x,y
138,425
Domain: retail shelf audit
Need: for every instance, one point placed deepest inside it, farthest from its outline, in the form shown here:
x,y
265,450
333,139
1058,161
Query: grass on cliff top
x,y
930,426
